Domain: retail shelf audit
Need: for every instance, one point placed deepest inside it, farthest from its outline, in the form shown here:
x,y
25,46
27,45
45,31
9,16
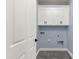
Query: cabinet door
x,y
62,15
53,15
46,16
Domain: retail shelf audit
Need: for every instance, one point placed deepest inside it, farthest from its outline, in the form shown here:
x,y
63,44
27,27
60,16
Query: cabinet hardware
x,y
45,22
61,22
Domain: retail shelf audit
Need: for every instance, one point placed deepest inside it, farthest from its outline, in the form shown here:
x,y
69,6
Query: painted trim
x,y
55,49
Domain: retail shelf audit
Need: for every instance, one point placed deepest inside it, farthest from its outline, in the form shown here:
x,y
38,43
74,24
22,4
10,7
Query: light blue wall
x,y
49,38
51,32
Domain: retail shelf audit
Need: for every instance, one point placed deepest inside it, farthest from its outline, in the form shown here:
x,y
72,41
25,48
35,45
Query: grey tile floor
x,y
53,55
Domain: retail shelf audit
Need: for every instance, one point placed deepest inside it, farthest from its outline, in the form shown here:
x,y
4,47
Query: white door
x,y
21,29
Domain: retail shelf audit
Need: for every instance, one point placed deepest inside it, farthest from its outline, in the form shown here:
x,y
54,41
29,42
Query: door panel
x,y
30,54
21,29
19,20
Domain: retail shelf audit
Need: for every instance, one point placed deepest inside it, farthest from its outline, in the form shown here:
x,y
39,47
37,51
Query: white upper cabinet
x,y
53,15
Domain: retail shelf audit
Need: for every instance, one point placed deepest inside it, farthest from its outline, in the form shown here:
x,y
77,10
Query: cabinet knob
x,y
61,22
45,22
